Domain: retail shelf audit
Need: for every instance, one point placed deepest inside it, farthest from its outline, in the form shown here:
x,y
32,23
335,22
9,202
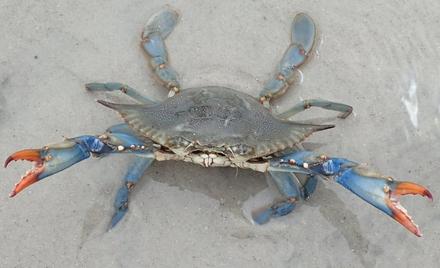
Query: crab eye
x,y
242,149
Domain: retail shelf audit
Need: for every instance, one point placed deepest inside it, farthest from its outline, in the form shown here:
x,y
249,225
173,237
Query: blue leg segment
x,y
158,27
345,109
134,173
129,91
277,210
289,187
303,36
309,187
382,192
54,158
122,139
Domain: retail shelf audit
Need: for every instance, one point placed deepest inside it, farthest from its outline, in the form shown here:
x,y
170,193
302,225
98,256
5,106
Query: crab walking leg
x,y
54,158
135,171
303,36
158,27
129,91
380,191
345,109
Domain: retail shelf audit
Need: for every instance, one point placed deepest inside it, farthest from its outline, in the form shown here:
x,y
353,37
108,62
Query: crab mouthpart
x,y
399,213
31,176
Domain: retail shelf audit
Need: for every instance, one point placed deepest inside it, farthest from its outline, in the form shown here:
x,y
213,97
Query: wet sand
x,y
381,57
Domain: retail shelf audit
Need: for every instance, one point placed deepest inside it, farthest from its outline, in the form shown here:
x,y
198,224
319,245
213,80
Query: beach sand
x,y
382,57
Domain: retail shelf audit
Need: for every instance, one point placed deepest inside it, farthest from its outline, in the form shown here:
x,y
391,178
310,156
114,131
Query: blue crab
x,y
215,126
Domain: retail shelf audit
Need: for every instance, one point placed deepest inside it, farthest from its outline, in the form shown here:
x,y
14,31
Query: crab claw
x,y
383,193
380,191
51,159
31,176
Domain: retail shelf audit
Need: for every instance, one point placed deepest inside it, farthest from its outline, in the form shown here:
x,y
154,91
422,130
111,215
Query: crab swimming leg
x,y
291,189
54,158
158,27
345,109
378,190
303,36
288,186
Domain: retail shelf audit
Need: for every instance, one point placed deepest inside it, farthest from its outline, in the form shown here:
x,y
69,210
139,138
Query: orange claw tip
x,y
429,195
405,188
12,194
25,182
27,154
403,218
398,212
8,160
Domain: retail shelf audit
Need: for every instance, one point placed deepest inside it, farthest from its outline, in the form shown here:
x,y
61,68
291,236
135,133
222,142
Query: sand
x,y
382,57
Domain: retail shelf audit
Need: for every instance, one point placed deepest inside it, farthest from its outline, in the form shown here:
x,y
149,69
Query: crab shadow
x,y
335,211
233,187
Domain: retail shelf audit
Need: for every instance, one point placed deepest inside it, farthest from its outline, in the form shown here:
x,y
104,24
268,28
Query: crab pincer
x,y
54,158
32,175
383,193
380,191
48,160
